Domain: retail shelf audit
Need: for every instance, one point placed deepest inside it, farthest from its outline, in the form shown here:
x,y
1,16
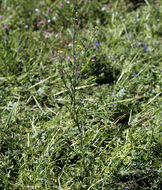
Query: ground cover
x,y
80,97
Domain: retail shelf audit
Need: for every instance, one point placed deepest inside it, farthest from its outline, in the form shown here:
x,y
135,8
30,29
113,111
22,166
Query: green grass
x,y
92,122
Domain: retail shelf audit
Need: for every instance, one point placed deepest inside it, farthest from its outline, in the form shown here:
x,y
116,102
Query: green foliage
x,y
111,68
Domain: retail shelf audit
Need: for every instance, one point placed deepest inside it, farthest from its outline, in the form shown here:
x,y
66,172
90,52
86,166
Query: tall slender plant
x,y
71,79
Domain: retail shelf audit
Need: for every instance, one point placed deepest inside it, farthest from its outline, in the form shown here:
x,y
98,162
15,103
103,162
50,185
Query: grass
x,y
80,97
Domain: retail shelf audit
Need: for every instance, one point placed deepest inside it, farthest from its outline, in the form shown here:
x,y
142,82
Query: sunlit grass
x,y
117,142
